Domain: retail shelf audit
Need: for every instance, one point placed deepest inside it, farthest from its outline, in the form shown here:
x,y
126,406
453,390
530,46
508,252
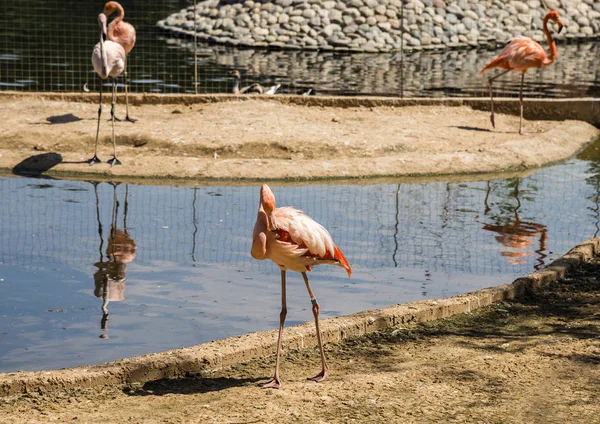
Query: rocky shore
x,y
378,25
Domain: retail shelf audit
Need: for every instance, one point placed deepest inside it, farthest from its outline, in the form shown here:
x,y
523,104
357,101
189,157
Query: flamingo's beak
x,y
560,27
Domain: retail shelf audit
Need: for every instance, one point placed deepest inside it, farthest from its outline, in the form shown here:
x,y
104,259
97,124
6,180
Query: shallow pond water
x,y
93,272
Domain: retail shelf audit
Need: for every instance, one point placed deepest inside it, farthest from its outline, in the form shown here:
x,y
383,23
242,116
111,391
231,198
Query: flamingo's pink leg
x,y
276,382
521,104
490,81
325,369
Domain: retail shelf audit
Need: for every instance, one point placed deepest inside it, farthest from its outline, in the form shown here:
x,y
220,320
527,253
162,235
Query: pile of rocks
x,y
378,25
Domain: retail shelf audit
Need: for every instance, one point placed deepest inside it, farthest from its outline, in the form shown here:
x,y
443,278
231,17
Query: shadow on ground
x,y
35,166
62,119
189,385
569,309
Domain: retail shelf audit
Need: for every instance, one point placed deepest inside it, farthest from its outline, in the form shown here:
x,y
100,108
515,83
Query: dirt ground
x,y
533,360
258,139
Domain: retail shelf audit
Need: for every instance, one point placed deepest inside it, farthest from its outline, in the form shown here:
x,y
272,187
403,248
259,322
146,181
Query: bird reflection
x,y
516,234
109,279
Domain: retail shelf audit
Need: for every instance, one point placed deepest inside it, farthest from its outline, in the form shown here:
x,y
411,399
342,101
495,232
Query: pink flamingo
x,y
108,59
293,241
521,54
123,33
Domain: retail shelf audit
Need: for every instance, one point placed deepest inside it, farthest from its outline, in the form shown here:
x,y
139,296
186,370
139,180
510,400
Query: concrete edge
x,y
581,109
234,350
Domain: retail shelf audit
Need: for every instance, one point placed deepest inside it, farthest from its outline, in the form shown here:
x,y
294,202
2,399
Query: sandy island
x,y
258,139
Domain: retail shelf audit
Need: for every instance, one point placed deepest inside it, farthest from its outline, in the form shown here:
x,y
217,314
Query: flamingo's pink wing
x,y
523,53
304,231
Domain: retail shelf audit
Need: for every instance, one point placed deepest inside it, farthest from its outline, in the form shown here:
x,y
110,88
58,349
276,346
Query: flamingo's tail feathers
x,y
493,64
339,256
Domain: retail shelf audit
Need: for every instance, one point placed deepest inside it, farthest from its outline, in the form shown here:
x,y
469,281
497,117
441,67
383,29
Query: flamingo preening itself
x,y
294,242
521,54
123,33
108,59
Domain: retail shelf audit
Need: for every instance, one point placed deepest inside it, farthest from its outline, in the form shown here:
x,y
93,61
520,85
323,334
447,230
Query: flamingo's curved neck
x,y
236,88
116,21
550,59
103,55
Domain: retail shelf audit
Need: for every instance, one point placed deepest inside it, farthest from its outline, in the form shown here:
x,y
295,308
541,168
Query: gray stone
x,y
454,9
469,23
385,26
520,6
588,31
525,18
366,11
380,9
309,13
335,16
414,42
451,18
336,41
582,20
471,15
310,41
460,29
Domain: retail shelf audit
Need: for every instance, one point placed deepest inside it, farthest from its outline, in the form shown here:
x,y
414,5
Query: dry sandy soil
x,y
258,139
533,360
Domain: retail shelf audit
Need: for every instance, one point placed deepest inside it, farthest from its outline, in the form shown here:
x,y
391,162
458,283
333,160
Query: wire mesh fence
x,y
480,228
46,45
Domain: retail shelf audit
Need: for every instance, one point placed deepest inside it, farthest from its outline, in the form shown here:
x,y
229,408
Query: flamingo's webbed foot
x,y
93,160
127,118
273,384
320,376
114,161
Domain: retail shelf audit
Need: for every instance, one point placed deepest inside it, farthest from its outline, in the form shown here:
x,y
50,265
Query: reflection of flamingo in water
x,y
293,241
518,234
109,280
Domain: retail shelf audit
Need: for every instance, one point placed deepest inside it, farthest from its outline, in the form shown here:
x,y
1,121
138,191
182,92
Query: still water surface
x,y
171,265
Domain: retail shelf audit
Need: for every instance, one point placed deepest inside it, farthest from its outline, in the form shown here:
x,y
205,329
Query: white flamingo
x,y
109,60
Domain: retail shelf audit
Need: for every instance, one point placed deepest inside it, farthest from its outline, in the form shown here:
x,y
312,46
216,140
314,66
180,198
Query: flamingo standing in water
x,y
521,54
293,241
108,59
123,33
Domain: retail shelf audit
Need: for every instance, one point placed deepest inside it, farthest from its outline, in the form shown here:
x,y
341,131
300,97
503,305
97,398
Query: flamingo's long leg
x,y
114,160
95,159
315,309
490,81
276,382
521,104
